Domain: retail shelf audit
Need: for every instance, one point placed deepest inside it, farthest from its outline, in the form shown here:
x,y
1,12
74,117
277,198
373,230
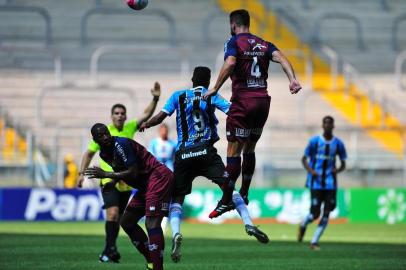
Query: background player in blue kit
x,y
195,152
163,148
321,152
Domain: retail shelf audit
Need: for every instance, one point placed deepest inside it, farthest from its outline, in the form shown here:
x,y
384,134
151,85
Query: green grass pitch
x,y
43,245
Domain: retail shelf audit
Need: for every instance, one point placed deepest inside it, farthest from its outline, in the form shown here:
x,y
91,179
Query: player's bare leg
x,y
138,238
112,227
233,171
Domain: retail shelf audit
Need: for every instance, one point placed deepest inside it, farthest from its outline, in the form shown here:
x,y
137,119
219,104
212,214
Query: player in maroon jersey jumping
x,y
246,63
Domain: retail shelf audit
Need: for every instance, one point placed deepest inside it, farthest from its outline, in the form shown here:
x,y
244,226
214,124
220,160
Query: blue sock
x,y
307,221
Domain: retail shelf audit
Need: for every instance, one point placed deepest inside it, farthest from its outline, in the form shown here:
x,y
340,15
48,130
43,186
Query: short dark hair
x,y
95,128
328,117
201,76
241,17
118,105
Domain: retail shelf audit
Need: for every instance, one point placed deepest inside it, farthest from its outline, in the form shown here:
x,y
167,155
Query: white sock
x,y
242,208
175,217
308,219
320,229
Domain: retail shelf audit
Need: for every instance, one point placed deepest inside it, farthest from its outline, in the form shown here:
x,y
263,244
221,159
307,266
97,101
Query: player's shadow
x,y
47,251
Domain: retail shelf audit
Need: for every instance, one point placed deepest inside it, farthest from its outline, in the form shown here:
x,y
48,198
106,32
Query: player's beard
x,y
232,31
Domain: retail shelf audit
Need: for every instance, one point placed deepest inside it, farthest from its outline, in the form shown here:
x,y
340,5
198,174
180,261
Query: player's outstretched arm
x,y
156,93
84,164
294,85
96,172
225,72
156,120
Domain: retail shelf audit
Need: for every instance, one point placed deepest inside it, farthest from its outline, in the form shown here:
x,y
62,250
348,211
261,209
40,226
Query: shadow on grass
x,y
30,251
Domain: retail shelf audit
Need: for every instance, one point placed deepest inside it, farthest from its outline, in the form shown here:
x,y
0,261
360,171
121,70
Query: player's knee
x,y
112,214
249,147
315,211
152,222
128,222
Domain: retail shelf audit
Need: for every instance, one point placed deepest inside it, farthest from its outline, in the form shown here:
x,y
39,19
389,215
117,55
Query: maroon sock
x,y
156,247
233,170
247,170
140,241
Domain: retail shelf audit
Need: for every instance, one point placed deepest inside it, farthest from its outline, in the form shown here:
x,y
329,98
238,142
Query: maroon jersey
x,y
251,71
124,153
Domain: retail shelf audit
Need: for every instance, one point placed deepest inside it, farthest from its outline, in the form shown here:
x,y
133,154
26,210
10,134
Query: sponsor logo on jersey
x,y
256,82
120,150
194,154
259,46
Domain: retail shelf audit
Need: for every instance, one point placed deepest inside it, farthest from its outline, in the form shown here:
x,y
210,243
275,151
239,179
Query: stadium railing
x,y
42,12
116,49
84,35
383,3
395,30
400,61
318,23
56,57
69,87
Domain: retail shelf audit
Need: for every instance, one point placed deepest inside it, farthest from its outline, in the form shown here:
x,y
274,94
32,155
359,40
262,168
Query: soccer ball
x,y
137,4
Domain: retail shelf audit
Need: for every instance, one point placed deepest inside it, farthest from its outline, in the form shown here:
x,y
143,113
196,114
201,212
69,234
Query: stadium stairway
x,y
348,98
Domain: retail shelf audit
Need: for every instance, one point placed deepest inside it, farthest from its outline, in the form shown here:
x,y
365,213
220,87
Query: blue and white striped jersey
x,y
163,151
322,155
195,118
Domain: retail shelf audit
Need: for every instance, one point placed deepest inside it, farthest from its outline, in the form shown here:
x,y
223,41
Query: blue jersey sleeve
x,y
310,148
271,48
220,103
342,153
171,104
230,47
151,147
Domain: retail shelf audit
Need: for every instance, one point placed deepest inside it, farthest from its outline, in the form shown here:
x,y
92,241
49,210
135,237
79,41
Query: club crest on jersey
x,y
259,46
251,41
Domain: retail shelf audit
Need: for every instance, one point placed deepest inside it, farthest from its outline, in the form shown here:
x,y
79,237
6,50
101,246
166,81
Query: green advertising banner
x,y
378,206
283,205
292,205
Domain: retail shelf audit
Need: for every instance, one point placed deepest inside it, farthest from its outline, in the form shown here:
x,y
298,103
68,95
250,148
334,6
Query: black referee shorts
x,y
199,161
113,197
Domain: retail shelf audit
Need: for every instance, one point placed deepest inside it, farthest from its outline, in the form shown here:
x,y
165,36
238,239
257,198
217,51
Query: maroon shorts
x,y
155,198
246,118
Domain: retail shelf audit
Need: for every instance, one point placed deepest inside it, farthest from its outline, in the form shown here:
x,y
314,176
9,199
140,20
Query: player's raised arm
x,y
279,57
225,72
149,111
156,120
84,164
